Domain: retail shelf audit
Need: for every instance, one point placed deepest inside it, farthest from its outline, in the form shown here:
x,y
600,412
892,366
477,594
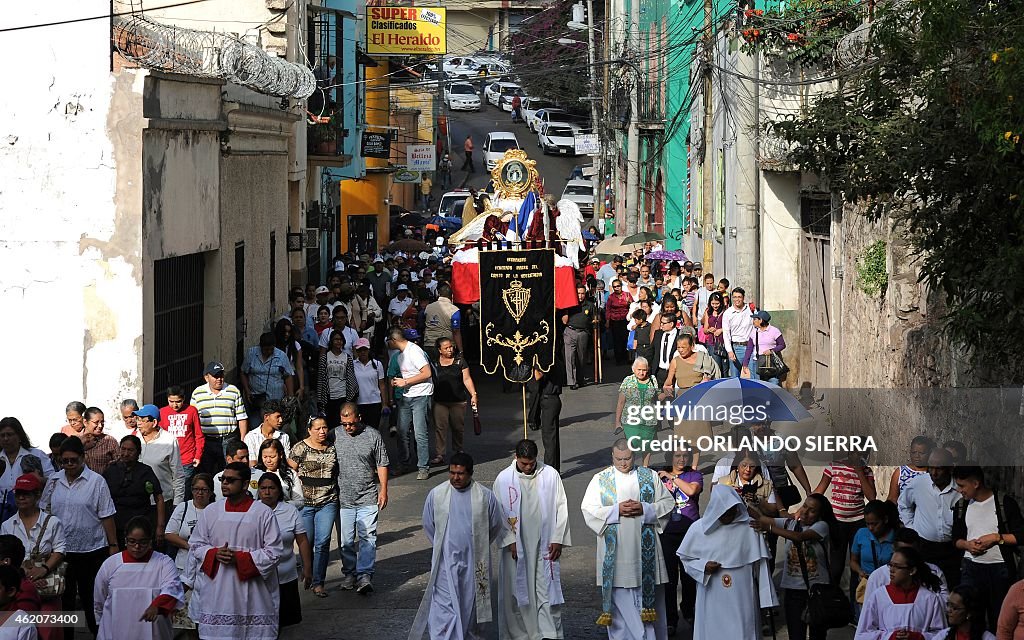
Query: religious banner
x,y
517,312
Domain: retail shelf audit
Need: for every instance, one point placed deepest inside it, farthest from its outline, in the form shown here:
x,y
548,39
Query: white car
x,y
451,203
557,138
546,115
494,91
461,68
582,193
461,96
531,106
496,144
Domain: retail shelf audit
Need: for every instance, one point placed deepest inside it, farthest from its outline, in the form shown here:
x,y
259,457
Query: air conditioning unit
x,y
311,239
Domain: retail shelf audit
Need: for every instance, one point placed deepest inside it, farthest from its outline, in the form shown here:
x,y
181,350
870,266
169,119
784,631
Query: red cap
x,y
28,482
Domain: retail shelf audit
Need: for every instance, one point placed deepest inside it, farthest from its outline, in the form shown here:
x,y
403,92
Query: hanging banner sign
x,y
517,312
420,157
376,145
405,176
404,31
587,144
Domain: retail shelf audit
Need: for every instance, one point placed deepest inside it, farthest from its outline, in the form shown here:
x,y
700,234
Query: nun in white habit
x,y
729,561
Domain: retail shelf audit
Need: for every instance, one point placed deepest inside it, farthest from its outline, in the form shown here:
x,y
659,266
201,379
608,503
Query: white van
x,y
496,144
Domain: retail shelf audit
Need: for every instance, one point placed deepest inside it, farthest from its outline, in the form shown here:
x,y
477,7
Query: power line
x,y
105,16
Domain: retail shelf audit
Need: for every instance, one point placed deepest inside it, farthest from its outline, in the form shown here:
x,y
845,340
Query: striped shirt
x,y
847,492
219,413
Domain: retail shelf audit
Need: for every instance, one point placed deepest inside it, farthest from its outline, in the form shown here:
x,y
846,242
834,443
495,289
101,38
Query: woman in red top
x,y
615,314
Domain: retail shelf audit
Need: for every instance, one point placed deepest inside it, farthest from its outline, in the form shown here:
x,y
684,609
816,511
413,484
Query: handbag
x,y
769,365
862,586
827,605
54,581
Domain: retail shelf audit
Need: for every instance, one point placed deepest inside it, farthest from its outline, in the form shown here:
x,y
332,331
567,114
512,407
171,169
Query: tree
x,y
546,68
928,132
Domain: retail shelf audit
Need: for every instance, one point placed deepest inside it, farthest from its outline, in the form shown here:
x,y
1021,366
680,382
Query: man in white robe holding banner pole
x,y
461,519
729,562
628,507
533,504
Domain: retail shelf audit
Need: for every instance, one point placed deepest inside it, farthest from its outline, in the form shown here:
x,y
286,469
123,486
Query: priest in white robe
x,y
627,507
137,590
533,504
462,519
729,562
237,545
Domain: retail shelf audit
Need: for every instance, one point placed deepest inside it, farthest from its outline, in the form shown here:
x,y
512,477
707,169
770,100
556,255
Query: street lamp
x,y
569,41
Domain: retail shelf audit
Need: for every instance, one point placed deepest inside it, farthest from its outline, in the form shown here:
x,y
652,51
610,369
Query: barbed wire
x,y
209,54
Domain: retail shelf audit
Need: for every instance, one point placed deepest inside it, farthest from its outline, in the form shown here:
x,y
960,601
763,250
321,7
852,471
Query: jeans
x,y
755,376
187,471
736,366
425,201
412,413
318,522
358,523
991,581
670,541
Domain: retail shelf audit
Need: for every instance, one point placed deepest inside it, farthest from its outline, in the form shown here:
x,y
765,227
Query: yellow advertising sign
x,y
401,31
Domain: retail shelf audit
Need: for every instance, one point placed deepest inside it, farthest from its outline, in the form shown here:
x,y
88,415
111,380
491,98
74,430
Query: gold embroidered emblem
x,y
516,299
512,523
726,580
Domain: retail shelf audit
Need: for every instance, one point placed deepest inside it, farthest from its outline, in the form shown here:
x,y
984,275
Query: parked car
x,y
451,204
494,91
531,105
546,115
557,137
461,68
505,99
582,193
496,144
461,96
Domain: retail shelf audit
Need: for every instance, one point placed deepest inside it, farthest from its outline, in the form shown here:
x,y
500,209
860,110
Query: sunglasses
x,y
70,462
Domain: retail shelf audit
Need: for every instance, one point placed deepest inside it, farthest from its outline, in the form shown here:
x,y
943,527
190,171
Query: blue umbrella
x,y
587,235
740,400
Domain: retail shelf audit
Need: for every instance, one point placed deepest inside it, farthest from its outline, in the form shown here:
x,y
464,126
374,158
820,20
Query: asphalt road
x,y
403,559
553,170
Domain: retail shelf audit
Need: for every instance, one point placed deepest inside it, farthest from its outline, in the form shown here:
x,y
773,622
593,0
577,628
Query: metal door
x,y
178,303
362,234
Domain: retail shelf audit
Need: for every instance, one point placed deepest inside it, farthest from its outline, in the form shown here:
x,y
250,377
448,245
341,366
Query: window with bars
x,y
816,214
178,300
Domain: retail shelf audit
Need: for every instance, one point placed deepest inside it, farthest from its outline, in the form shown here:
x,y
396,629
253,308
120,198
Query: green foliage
x,y
872,278
804,33
930,136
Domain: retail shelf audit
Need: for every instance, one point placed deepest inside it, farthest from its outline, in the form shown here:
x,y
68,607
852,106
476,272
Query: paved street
x,y
554,170
403,560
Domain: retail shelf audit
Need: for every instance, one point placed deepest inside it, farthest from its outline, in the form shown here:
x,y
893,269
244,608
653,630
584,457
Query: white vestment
x,y
458,576
225,606
535,508
729,600
124,590
627,591
880,578
881,616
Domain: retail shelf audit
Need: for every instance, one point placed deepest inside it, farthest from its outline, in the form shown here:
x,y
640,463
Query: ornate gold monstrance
x,y
515,175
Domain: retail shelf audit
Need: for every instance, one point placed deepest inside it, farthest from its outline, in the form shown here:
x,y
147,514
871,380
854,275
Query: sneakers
x,y
423,475
363,585
348,582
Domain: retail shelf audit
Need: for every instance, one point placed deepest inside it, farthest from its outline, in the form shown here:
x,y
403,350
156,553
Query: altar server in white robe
x,y
462,519
533,504
729,562
909,607
905,537
137,590
237,545
628,507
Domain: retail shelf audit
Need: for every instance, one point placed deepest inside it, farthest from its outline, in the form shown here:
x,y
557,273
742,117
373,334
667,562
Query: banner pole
x,y
525,437
600,360
596,350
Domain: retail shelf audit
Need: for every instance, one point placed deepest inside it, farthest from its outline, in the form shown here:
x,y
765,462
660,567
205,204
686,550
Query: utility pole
x,y
595,123
632,211
708,171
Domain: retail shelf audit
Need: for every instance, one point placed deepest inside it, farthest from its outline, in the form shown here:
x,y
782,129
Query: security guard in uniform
x,y
579,323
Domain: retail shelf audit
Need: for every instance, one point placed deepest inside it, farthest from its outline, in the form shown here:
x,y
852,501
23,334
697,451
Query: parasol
x,y
644,236
407,245
666,255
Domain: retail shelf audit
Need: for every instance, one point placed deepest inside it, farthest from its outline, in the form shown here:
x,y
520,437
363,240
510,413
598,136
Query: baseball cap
x,y
762,315
402,287
595,259
214,369
361,343
697,265
28,482
148,411
322,289
411,334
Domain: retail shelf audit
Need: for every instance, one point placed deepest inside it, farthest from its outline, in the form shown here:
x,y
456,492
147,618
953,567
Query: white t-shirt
x,y
815,554
398,307
336,365
290,522
350,338
183,520
981,520
368,376
410,361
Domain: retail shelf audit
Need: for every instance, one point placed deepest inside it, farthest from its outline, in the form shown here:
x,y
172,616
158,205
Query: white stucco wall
x,y
780,239
69,262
